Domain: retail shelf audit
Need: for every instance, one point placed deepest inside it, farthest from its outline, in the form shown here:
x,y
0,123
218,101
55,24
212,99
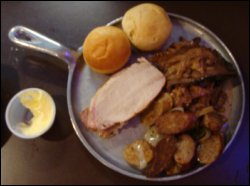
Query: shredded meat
x,y
188,61
181,96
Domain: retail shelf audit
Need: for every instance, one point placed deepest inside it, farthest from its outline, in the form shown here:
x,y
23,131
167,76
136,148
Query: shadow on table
x,y
62,126
45,68
9,87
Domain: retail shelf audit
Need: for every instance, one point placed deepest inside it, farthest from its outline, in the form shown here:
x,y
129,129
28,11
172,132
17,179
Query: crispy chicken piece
x,y
175,122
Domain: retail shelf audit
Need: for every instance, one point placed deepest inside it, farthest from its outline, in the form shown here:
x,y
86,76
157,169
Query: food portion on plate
x,y
178,93
124,95
147,26
186,61
188,115
106,49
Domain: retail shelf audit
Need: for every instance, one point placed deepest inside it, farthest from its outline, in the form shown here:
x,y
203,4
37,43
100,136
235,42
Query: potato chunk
x,y
138,154
210,149
213,121
185,149
175,122
163,104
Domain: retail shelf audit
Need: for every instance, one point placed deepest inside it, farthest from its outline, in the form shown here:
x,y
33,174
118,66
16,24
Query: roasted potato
x,y
163,156
213,121
138,154
185,149
206,135
152,136
186,120
163,104
177,169
205,111
175,122
210,149
166,102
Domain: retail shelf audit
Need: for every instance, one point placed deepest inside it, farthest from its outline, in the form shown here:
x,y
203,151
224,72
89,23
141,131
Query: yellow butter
x,y
42,108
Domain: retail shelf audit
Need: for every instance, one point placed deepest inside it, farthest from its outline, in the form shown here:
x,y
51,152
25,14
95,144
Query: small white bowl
x,y
15,114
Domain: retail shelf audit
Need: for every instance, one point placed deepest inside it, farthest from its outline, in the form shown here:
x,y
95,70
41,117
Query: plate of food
x,y
151,95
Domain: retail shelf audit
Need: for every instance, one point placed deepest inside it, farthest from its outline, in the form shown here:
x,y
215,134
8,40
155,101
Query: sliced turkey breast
x,y
125,94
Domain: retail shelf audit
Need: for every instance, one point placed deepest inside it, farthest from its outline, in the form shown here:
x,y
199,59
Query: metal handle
x,y
31,39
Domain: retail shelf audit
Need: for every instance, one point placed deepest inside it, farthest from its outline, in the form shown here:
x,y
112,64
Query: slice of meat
x,y
102,133
175,122
185,149
163,156
210,149
85,118
111,131
124,95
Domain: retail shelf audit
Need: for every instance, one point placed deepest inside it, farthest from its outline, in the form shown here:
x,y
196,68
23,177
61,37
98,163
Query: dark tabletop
x,y
58,157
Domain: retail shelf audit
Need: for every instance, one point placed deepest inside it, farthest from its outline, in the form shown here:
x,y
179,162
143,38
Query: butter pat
x,y
42,107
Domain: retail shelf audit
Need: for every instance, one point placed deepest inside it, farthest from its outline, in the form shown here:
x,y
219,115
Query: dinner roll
x,y
147,26
106,49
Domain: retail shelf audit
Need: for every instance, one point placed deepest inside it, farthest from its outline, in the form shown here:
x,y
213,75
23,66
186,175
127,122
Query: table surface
x,y
58,157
